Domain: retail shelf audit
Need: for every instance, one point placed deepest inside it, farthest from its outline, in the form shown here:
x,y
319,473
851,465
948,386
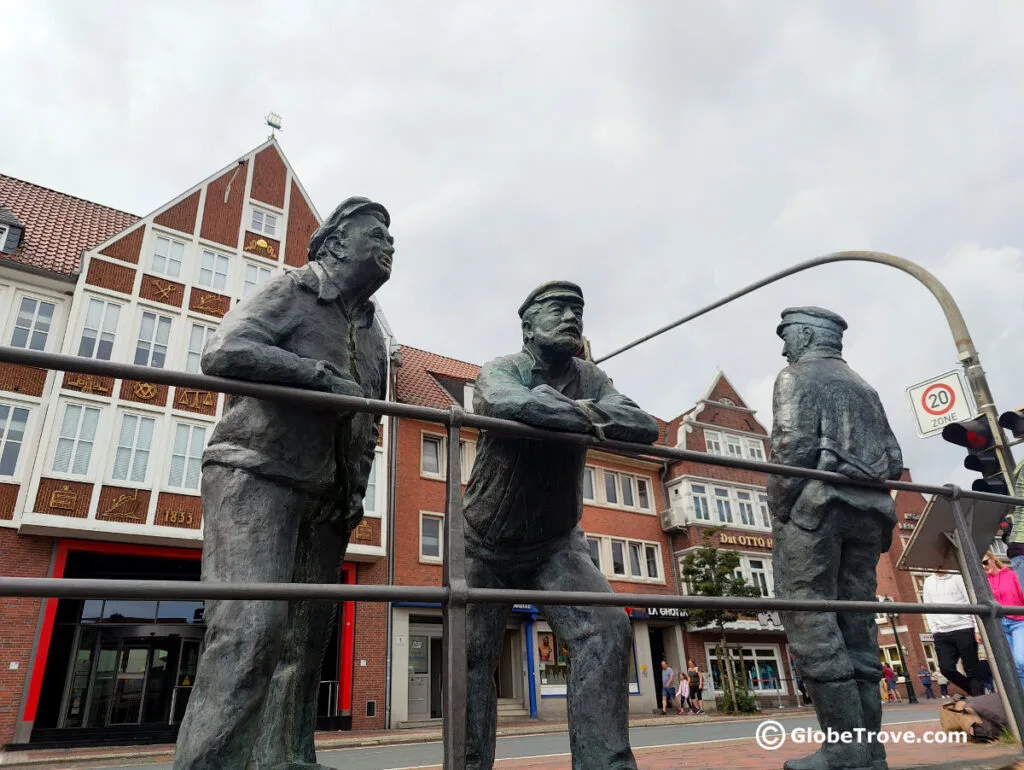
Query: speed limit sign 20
x,y
938,402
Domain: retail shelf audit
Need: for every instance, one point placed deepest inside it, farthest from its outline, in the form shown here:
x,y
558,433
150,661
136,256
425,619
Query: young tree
x,y
711,571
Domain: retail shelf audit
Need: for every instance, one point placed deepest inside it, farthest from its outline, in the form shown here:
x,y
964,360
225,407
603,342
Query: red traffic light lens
x,y
975,440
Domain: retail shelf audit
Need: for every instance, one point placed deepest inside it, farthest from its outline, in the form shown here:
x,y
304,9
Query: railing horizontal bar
x,y
506,596
319,399
99,588
102,588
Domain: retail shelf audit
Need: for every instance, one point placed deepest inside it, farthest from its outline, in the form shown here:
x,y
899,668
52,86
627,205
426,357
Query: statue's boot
x,y
838,707
871,706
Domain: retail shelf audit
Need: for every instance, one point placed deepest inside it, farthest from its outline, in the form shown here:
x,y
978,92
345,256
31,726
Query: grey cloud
x,y
660,153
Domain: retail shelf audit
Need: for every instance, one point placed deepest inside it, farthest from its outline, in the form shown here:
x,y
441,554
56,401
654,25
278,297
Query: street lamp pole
x,y
966,352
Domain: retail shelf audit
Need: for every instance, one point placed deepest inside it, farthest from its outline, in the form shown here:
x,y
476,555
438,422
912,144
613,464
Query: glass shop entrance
x,y
119,670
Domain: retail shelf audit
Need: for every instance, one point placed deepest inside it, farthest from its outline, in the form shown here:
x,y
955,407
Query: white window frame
x,y
591,539
590,472
692,495
713,442
607,475
193,427
764,511
218,259
169,260
755,449
134,450
100,330
158,319
621,481
5,432
467,457
429,559
263,273
373,483
627,545
733,446
766,570
752,647
727,499
196,355
261,228
77,440
440,439
4,231
745,507
19,298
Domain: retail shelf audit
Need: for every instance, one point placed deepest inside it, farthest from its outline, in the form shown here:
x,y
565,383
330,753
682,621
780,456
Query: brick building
x,y
99,477
620,518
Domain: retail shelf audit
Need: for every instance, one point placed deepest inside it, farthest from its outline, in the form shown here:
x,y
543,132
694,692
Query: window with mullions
x,y
13,421
699,496
168,255
213,271
32,326
746,505
554,654
154,336
186,456
99,330
760,666
75,440
131,459
723,505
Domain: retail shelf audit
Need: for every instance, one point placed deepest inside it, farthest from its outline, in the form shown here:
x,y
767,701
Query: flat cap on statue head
x,y
812,316
347,209
550,290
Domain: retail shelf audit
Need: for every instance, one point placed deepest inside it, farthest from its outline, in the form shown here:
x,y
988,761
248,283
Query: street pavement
x,y
703,745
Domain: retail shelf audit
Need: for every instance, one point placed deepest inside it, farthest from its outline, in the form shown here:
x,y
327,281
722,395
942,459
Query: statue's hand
x,y
329,377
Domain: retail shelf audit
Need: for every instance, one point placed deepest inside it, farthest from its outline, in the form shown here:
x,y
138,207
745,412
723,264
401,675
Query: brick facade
x,y
21,556
371,645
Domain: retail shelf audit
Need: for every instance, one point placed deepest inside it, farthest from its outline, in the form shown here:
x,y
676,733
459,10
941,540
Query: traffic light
x,y
1005,527
1013,422
976,435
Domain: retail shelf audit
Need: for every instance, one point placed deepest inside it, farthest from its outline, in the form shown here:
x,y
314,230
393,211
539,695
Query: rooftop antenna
x,y
274,121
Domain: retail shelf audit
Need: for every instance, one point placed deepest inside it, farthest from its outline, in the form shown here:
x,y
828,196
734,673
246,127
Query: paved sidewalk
x,y
45,759
738,753
745,754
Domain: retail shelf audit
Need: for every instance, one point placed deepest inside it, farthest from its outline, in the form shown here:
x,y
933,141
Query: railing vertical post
x,y
1000,659
454,628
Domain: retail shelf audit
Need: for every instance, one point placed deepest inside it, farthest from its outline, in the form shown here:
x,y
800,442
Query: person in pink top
x,y
1006,591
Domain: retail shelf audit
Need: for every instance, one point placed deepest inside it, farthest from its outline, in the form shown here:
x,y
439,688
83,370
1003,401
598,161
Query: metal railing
x,y
454,594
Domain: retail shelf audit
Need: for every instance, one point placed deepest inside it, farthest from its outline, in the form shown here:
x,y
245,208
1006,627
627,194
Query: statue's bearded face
x,y
556,325
796,339
366,248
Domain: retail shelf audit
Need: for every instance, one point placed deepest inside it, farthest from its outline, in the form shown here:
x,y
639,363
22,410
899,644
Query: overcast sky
x,y
659,153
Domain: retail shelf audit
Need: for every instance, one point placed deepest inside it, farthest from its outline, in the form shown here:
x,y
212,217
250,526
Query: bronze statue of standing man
x,y
828,538
523,506
282,491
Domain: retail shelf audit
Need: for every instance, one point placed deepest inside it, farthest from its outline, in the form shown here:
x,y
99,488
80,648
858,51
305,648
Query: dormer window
x,y
4,232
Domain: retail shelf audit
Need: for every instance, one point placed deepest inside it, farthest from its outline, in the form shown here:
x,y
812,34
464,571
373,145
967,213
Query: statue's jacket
x,y
527,492
277,335
827,417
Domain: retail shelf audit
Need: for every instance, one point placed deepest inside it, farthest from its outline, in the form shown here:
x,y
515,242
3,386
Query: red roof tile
x,y
58,227
415,377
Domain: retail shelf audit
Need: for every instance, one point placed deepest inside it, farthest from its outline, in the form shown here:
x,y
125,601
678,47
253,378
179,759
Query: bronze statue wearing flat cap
x,y
523,506
828,538
282,490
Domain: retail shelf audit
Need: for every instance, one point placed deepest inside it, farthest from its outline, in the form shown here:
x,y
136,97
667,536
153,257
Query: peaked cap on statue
x,y
347,209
